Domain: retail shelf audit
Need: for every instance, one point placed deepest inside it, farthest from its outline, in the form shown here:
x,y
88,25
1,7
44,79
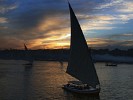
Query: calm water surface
x,y
44,80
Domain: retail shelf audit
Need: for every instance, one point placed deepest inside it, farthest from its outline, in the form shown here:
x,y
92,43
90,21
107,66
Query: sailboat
x,y
80,64
110,64
28,56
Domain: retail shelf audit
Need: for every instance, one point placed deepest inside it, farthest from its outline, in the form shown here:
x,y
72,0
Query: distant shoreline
x,y
96,58
101,55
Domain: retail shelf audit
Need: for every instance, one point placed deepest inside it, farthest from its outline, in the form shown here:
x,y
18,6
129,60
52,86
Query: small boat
x,y
80,64
110,64
28,56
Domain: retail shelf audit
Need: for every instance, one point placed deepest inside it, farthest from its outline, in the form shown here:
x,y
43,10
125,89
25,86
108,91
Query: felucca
x,y
80,65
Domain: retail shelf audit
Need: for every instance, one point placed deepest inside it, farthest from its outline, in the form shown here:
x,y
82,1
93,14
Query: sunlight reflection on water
x,y
43,81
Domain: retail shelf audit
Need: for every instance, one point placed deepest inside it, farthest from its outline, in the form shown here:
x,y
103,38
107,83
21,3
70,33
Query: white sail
x,y
80,64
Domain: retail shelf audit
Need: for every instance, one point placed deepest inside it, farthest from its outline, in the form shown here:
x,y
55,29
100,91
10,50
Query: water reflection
x,y
27,75
28,67
44,80
74,96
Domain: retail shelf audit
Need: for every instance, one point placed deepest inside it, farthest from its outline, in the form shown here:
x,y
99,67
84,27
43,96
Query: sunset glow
x,y
46,24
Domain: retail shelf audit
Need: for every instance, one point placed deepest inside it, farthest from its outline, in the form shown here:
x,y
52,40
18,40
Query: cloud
x,y
126,7
96,22
121,10
125,18
100,42
109,43
10,42
124,36
31,13
39,21
109,4
6,8
46,22
103,21
3,20
3,27
50,30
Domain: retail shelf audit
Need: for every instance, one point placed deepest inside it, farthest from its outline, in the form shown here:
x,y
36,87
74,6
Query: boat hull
x,y
28,64
83,91
110,64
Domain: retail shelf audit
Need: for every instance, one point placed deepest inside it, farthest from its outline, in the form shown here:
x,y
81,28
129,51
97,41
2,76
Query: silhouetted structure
x,y
60,54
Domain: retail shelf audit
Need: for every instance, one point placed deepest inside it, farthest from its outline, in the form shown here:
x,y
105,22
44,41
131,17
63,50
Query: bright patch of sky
x,y
46,23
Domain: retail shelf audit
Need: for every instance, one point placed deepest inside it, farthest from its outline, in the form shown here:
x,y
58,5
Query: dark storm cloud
x,y
31,12
25,16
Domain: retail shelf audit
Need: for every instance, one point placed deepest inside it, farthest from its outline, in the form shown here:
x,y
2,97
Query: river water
x,y
43,81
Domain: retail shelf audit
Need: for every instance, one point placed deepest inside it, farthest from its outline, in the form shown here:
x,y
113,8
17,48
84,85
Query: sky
x,y
45,24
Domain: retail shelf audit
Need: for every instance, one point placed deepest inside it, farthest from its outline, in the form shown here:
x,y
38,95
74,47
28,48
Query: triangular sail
x,y
28,54
80,64
25,47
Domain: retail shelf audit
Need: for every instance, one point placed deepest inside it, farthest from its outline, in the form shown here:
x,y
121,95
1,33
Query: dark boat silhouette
x,y
28,56
80,65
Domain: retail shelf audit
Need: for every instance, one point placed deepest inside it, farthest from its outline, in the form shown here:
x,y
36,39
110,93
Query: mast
x,y
80,64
